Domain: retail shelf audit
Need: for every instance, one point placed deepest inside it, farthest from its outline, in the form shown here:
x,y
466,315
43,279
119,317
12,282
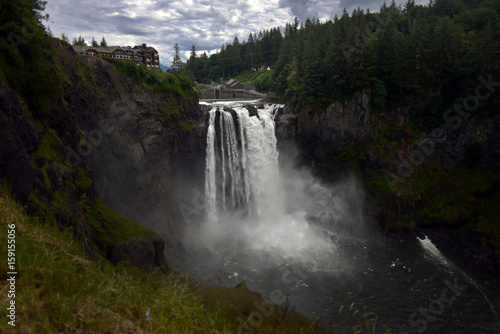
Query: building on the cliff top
x,y
139,54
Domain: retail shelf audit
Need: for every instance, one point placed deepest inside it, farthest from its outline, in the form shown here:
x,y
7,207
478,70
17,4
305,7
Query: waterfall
x,y
210,185
242,162
249,203
223,158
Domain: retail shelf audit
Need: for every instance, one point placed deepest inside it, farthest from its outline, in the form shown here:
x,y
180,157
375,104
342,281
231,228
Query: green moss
x,y
110,228
378,183
48,146
47,152
170,110
37,207
487,224
46,179
466,200
59,202
49,208
188,125
346,155
49,156
402,226
83,181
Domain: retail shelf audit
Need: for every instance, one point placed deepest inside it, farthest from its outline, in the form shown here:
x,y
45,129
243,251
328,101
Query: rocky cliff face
x,y
442,182
106,136
335,128
156,150
340,124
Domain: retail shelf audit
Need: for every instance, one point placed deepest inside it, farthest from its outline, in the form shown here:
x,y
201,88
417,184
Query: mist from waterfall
x,y
253,207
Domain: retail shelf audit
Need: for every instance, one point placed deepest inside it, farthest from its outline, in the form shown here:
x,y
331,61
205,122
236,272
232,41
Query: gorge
x,y
294,202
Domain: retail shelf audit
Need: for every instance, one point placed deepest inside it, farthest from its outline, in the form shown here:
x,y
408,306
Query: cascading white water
x,y
431,249
210,185
242,121
247,162
244,188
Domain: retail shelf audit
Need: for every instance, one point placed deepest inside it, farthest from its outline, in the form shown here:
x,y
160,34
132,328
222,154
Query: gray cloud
x,y
302,9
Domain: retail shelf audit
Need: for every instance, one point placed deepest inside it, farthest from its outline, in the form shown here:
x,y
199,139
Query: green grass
x,y
47,149
247,77
58,289
155,80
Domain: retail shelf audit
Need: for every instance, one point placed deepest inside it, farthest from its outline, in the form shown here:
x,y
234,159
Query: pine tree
x,y
64,38
192,63
409,6
176,61
103,42
447,45
80,41
192,56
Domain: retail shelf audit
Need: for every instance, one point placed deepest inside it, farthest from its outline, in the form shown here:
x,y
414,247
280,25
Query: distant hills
x,y
164,67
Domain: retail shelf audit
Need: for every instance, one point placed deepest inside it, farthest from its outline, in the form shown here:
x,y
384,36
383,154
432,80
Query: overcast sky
x,y
205,24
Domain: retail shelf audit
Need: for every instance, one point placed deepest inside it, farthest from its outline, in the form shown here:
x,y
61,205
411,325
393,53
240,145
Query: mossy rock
x,y
109,228
121,239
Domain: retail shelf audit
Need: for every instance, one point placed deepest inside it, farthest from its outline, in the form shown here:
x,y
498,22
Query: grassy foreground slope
x,y
59,289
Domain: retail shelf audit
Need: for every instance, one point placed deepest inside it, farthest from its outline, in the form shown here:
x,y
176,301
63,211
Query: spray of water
x,y
253,207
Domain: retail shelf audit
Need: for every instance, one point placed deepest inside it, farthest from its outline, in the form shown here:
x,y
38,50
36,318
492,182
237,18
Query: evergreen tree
x,y
65,38
192,56
80,41
410,4
176,61
103,42
192,64
248,57
446,46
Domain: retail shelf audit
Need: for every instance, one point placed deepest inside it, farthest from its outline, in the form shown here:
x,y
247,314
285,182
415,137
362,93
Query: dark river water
x,y
408,287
